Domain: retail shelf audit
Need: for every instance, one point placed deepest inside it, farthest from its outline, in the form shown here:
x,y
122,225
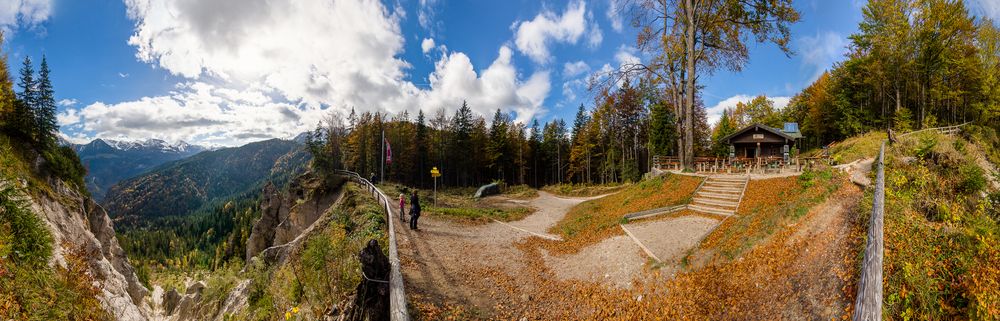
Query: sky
x,y
229,72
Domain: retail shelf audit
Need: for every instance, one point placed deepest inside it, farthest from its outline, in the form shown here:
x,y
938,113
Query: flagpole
x,y
381,176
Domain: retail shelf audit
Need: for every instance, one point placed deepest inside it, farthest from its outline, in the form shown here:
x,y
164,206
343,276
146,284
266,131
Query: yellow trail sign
x,y
435,172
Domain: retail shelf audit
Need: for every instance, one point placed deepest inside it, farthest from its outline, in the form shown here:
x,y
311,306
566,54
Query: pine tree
x,y
421,171
45,108
24,108
662,132
498,153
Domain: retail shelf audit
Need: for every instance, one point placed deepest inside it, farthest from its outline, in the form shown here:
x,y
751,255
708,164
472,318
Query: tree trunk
x,y
689,47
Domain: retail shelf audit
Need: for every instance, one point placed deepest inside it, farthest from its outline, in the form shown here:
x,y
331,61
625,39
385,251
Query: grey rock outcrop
x,y
286,215
77,222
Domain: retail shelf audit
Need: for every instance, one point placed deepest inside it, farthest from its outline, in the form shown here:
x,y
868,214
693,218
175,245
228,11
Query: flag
x,y
388,151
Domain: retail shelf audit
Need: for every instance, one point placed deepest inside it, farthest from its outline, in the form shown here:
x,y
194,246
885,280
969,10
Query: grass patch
x,y
458,203
592,221
584,190
768,206
857,147
480,214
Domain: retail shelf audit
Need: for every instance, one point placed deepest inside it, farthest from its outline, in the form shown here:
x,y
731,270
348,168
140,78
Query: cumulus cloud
x,y
427,45
821,51
28,13
715,112
270,68
533,37
196,112
455,80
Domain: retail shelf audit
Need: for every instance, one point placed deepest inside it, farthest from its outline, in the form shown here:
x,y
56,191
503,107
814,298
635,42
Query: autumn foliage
x,y
595,220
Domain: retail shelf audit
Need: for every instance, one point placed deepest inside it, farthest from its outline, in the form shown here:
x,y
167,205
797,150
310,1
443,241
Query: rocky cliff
x,y
76,221
286,215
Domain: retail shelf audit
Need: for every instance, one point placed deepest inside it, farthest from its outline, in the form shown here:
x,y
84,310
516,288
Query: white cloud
x,y
573,69
614,15
820,52
66,102
455,80
275,58
427,45
715,112
67,117
27,13
533,37
195,112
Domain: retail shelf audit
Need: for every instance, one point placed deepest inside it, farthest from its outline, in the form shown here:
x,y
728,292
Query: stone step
x,y
711,210
715,202
715,189
728,179
723,196
724,184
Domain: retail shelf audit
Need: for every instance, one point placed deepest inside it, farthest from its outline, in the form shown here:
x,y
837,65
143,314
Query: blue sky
x,y
227,72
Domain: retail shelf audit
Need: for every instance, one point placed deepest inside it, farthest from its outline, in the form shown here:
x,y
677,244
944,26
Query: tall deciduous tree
x,y
691,38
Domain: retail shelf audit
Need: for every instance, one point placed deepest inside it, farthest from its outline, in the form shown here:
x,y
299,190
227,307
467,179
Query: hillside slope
x,y
59,256
180,187
109,162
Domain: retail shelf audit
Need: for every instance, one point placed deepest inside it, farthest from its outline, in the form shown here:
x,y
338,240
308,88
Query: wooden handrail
x,y
397,294
868,303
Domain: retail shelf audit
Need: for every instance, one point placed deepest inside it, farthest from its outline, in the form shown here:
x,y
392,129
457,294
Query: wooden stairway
x,y
719,195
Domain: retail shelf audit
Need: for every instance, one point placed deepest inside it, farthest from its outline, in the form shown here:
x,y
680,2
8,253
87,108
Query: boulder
x,y
488,189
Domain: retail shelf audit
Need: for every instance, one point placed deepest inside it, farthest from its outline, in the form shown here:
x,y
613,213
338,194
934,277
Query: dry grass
x,y
768,206
595,220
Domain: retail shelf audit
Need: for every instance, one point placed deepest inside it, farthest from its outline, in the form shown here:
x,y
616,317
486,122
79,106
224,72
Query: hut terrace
x,y
757,148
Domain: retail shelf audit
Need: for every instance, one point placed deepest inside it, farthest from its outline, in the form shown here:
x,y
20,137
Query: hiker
x,y
372,180
402,207
414,210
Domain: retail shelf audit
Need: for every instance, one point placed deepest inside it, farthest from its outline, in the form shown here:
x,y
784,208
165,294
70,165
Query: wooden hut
x,y
761,141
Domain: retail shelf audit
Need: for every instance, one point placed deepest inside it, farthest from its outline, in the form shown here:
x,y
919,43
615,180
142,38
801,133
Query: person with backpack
x,y
414,210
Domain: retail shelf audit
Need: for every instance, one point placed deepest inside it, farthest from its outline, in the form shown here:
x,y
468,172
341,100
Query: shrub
x,y
973,179
31,241
63,163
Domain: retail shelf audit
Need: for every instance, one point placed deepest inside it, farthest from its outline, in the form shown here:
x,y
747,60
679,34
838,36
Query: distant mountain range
x,y
110,161
183,186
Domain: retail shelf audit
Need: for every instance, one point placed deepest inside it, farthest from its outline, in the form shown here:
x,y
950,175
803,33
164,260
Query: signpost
x,y
435,174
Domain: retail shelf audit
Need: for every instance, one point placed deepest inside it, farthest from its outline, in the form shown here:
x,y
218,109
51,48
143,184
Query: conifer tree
x,y
24,108
45,108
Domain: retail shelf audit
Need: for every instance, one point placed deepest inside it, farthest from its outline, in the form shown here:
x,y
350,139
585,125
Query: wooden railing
x,y
397,294
868,303
947,130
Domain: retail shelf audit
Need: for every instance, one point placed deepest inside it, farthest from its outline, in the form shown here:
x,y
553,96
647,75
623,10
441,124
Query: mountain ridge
x,y
183,186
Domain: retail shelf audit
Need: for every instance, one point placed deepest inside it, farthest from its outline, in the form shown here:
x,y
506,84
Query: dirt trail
x,y
451,262
495,271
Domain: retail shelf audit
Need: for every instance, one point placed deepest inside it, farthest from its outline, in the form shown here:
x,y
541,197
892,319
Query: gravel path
x,y
454,263
670,239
